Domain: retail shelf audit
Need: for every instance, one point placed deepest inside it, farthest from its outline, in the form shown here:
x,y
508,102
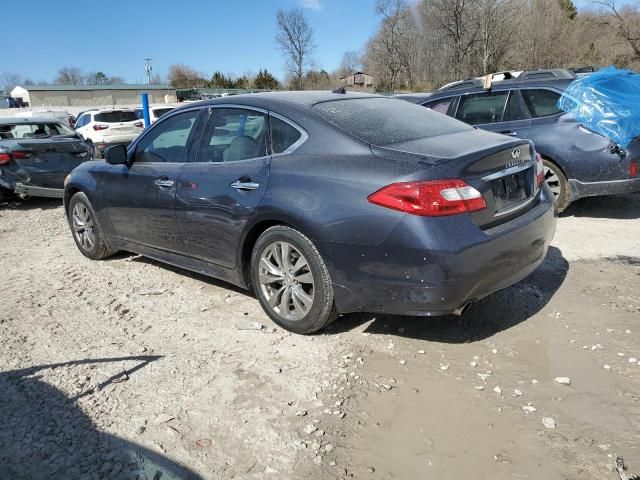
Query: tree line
x,y
425,44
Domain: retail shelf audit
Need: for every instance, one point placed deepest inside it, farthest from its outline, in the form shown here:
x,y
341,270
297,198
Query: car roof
x,y
301,98
14,120
559,84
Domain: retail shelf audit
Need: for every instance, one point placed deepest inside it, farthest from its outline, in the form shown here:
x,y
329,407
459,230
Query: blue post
x,y
145,110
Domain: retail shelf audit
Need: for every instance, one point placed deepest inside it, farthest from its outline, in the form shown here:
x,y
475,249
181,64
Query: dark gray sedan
x,y
36,155
322,203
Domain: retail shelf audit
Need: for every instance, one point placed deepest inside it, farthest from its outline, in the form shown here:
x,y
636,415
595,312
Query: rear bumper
x,y
23,189
434,266
592,189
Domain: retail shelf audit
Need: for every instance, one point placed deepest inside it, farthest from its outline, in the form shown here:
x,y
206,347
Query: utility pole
x,y
148,68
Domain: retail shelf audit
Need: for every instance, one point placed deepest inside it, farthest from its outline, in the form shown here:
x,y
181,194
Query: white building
x,y
91,95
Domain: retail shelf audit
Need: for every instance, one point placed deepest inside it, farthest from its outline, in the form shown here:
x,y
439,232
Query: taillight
x,y
139,124
97,127
633,168
432,198
5,158
20,155
539,170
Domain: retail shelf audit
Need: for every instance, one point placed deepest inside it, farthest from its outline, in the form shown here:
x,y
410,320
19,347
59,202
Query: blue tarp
x,y
606,102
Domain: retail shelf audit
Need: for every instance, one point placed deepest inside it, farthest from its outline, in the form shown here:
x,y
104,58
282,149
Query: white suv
x,y
154,112
105,128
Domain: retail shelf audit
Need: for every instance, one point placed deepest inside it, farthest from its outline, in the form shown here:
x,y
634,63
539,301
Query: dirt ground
x,y
129,369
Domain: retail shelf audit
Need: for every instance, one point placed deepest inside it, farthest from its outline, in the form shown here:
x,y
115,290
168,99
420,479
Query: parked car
x,y
154,112
107,127
36,154
57,115
323,203
578,162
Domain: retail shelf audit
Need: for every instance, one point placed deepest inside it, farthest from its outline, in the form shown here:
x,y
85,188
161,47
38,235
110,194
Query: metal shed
x,y
91,95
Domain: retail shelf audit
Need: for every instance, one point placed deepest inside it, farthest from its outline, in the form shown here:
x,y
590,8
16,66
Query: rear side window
x,y
515,109
440,106
541,102
33,130
116,116
482,107
283,135
386,121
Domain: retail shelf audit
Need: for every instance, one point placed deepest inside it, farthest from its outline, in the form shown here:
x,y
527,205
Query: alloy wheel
x,y
553,180
286,280
83,227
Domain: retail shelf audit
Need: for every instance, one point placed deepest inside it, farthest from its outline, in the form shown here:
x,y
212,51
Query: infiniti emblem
x,y
515,153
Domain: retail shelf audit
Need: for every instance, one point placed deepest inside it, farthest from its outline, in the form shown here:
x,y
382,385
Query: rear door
x,y
498,111
140,197
219,191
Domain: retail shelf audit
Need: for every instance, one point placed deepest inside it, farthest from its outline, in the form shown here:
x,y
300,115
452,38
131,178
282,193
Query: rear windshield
x,y
387,121
33,130
116,116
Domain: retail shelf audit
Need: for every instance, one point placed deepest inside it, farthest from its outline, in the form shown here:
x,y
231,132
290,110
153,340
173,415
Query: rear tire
x,y
85,228
558,184
291,281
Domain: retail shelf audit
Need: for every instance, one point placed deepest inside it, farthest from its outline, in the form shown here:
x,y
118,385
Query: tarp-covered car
x,y
36,154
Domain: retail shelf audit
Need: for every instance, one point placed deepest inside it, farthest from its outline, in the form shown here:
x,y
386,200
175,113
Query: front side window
x,y
234,134
482,108
168,141
283,135
541,102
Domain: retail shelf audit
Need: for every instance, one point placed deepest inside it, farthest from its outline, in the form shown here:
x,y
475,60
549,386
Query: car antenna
x,y
339,90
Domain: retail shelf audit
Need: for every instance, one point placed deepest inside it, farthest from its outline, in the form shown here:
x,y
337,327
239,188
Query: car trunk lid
x,y
502,169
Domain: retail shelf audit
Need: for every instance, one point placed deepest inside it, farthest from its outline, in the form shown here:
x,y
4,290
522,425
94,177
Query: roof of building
x,y
66,88
356,73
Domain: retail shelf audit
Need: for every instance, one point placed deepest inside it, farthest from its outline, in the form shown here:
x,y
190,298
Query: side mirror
x,y
116,155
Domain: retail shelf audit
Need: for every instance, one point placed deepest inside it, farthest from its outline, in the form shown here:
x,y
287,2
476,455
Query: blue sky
x,y
230,36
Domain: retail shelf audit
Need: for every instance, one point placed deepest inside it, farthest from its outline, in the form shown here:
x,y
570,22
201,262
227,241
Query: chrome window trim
x,y
294,146
509,171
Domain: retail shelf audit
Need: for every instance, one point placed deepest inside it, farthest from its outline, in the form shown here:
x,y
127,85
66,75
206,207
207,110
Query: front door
x,y
142,194
219,191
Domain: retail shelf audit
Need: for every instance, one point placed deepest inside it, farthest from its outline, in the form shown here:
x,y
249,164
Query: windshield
x,y
34,130
116,116
387,121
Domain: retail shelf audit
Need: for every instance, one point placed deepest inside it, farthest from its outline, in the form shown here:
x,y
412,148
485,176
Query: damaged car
x,y
323,203
36,154
578,162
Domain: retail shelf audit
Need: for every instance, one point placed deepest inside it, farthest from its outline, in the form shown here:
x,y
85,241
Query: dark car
x,y
323,203
36,155
578,162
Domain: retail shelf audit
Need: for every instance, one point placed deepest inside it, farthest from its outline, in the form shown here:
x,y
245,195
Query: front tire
x,y
558,184
85,228
291,281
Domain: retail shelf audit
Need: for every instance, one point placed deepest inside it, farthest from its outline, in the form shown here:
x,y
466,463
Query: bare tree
x,y
295,39
9,81
627,23
183,76
497,24
69,76
351,62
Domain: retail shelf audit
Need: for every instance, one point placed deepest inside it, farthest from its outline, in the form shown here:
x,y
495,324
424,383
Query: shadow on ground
x,y
495,313
33,203
46,435
622,207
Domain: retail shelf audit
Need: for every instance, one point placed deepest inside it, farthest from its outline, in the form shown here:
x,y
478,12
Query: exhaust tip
x,y
462,309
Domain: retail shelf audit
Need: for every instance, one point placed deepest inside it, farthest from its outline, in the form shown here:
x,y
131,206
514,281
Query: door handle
x,y
509,132
245,186
163,182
